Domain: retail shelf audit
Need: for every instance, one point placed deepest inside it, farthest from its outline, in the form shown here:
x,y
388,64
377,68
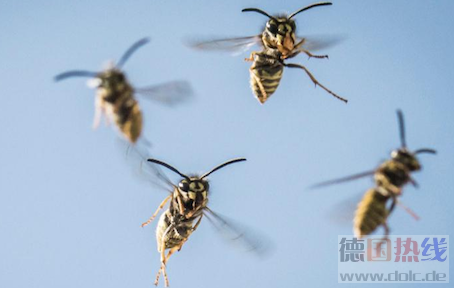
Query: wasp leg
x,y
171,251
99,109
393,204
193,229
180,204
162,250
384,239
291,65
251,57
157,211
197,224
299,44
312,55
408,210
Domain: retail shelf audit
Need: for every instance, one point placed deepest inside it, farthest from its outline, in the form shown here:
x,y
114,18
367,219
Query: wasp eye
x,y
184,186
271,27
121,77
293,25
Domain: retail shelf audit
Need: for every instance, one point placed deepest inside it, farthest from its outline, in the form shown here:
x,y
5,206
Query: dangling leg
x,y
157,211
299,44
312,55
408,210
385,237
99,109
197,223
193,229
163,258
290,65
297,50
163,266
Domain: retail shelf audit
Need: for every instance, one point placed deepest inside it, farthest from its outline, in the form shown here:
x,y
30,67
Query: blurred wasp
x,y
390,178
188,205
115,96
278,42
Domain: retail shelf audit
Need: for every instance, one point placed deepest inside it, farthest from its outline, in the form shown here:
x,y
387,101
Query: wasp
x,y
188,205
390,177
115,95
279,42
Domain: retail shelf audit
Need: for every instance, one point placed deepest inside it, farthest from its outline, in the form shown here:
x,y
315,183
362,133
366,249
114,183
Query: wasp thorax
x,y
111,78
407,158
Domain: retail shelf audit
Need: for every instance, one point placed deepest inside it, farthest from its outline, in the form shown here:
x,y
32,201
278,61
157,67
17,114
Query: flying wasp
x,y
279,42
188,205
115,95
390,178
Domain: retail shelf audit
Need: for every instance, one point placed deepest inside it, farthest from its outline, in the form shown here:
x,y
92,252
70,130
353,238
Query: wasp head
x,y
192,187
407,158
280,30
110,78
280,33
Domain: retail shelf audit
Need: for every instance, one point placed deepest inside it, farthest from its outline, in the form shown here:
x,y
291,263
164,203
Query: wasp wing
x,y
170,93
343,179
144,170
259,245
233,45
342,212
319,42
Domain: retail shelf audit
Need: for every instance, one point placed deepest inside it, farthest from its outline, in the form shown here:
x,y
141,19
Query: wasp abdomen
x,y
371,213
266,74
177,234
129,119
120,105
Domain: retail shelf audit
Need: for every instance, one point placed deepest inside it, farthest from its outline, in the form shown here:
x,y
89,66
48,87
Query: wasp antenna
x,y
74,73
426,150
131,51
309,7
400,116
258,11
168,167
223,165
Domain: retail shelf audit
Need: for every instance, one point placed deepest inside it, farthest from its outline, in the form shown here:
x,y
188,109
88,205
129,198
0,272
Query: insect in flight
x,y
390,178
188,205
115,95
279,42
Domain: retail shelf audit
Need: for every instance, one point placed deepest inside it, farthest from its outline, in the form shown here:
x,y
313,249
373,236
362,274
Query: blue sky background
x,y
71,208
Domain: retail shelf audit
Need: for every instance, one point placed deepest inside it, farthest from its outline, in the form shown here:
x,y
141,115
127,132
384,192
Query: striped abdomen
x,y
371,213
266,74
121,107
128,118
176,235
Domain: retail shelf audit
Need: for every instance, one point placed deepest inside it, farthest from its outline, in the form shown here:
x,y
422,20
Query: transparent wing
x,y
343,179
342,212
319,42
170,93
233,45
145,171
259,245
